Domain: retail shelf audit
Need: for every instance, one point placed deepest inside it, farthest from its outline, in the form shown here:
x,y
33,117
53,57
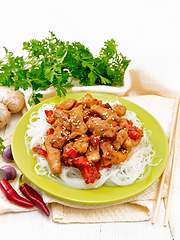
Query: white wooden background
x,y
138,27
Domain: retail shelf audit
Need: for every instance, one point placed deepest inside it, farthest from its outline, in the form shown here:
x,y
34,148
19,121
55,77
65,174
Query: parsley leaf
x,y
116,64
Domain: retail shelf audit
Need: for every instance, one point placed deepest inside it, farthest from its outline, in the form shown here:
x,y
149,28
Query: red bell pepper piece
x,y
135,133
33,196
69,152
13,196
86,118
77,105
50,131
98,166
40,151
89,173
49,117
94,140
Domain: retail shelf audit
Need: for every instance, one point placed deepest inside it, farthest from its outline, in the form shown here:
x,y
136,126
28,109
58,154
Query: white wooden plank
x,y
34,225
174,221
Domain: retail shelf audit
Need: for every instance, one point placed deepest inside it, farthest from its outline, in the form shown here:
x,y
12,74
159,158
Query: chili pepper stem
x,y
20,180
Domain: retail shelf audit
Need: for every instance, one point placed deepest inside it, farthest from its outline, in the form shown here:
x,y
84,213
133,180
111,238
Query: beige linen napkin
x,y
139,80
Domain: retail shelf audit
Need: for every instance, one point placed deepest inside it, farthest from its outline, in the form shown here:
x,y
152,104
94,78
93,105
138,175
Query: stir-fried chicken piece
x,y
93,154
60,114
66,124
103,112
62,117
125,123
106,105
111,132
101,128
53,156
70,144
88,113
122,135
97,126
110,153
130,143
88,100
113,120
66,104
78,126
119,109
59,137
106,162
81,144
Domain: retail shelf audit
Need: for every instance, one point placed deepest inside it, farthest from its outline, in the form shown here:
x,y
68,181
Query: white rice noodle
x,y
37,127
136,168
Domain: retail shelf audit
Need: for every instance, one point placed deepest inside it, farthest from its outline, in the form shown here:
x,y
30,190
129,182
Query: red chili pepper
x,y
40,151
13,196
135,133
90,174
69,152
33,196
49,117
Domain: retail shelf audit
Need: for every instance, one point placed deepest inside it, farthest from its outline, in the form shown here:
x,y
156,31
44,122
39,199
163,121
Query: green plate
x,y
104,194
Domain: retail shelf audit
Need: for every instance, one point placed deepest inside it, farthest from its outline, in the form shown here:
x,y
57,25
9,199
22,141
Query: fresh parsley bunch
x,y
52,62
